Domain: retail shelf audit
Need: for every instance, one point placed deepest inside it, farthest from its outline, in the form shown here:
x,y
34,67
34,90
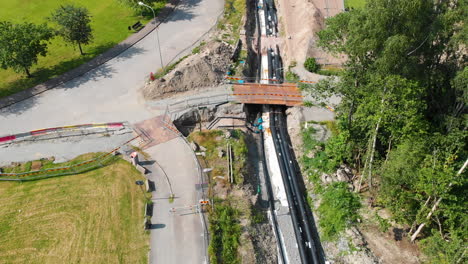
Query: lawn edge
x,y
94,63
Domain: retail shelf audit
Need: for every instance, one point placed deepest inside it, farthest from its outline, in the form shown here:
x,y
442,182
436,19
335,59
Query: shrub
x,y
292,77
311,65
383,223
225,232
337,209
338,149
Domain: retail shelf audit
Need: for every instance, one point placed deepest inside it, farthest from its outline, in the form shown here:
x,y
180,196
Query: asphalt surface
x,y
176,237
110,92
62,149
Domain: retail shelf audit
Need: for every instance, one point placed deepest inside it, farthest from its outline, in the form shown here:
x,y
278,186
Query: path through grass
x,y
95,217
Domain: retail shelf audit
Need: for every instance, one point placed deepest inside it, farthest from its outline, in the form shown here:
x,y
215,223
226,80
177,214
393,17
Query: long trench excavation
x,y
270,71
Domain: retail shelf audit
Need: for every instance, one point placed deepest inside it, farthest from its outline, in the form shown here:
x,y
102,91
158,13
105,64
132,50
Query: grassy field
x,y
109,23
355,3
95,217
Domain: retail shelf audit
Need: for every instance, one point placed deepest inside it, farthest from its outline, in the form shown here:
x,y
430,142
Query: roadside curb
x,y
113,52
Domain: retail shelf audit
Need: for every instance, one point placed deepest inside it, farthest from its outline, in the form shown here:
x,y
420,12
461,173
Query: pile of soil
x,y
204,69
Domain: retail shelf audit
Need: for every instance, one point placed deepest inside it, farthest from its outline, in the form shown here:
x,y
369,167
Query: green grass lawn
x,y
109,23
95,217
355,3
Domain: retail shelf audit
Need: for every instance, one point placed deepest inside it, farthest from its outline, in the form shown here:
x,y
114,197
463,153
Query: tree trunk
x,y
370,157
374,140
26,70
81,50
415,223
421,226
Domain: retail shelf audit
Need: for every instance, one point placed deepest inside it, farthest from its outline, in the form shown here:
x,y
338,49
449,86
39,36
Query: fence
x,y
84,166
57,132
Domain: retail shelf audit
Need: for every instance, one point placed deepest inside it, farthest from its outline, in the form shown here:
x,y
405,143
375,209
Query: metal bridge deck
x,y
275,94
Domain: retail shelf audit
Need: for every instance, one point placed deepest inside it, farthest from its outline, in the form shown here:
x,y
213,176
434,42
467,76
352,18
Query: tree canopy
x,y
21,44
404,111
74,24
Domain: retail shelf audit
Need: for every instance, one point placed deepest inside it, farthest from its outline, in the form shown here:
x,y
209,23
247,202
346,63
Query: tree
x,y
21,44
403,108
138,9
74,25
311,65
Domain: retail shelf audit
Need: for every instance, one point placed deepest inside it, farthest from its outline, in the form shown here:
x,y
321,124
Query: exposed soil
x,y
299,21
391,247
201,70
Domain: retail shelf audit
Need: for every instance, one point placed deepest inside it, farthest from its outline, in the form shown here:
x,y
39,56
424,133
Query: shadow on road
x,y
99,70
184,11
19,108
146,162
81,73
157,226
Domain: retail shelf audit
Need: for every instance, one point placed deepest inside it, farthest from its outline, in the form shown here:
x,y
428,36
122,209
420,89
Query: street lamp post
x,y
157,32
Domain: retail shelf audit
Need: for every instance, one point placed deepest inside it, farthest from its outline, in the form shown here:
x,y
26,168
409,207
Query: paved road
x,y
175,237
110,92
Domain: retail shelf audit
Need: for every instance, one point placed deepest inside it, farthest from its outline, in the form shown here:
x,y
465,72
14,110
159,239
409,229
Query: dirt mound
x,y
204,69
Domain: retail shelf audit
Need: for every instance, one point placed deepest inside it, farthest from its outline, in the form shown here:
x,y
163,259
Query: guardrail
x,y
84,166
32,135
200,101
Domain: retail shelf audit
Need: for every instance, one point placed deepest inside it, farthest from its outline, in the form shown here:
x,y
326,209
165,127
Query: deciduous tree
x,y
74,25
21,44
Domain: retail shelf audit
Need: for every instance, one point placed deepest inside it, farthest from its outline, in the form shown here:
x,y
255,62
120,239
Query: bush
x,y
225,232
338,149
337,209
325,158
292,77
440,251
383,223
311,65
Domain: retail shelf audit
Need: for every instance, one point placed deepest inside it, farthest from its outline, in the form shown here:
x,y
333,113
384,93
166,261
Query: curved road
x,y
110,92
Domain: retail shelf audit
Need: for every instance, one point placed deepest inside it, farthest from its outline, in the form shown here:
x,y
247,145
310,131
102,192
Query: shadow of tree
x,y
184,11
19,108
91,66
43,74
